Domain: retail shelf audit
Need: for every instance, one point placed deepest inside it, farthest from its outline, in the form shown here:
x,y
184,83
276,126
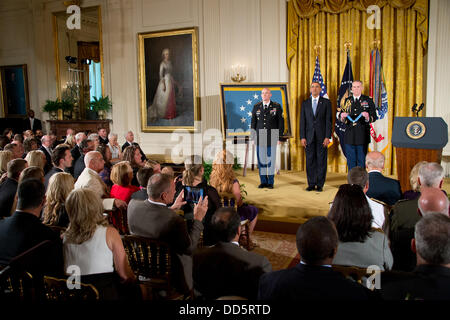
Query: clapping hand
x,y
179,202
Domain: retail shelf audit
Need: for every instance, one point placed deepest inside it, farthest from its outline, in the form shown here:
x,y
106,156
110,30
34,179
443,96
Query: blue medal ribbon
x,y
350,118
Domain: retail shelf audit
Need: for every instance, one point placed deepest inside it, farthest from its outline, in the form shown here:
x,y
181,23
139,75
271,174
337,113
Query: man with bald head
x,y
90,178
433,200
46,148
380,187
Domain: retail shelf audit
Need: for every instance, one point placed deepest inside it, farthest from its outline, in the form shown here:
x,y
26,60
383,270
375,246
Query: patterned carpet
x,y
280,249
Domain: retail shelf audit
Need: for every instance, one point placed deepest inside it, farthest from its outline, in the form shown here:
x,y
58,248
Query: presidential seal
x,y
415,130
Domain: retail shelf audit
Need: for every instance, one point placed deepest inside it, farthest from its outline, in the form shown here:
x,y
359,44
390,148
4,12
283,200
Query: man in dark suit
x,y
62,159
313,278
8,187
85,146
226,269
315,135
358,112
47,150
129,141
103,135
23,230
380,187
267,131
153,219
31,123
142,175
430,280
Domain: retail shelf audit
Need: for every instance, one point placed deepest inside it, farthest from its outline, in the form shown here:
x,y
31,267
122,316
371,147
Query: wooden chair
x,y
58,290
16,285
151,261
119,219
229,200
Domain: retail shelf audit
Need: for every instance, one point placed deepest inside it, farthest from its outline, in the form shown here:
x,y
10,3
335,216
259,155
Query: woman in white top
x,y
115,148
89,242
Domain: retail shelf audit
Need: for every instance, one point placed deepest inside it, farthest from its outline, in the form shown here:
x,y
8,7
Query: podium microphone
x,y
413,109
420,107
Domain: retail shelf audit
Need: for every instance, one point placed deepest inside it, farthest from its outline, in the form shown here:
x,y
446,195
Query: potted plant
x,y
51,106
101,105
67,107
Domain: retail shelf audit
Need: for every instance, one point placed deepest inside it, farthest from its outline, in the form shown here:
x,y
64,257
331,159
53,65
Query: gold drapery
x,y
330,24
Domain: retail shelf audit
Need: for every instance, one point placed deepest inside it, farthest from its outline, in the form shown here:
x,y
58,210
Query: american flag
x,y
318,77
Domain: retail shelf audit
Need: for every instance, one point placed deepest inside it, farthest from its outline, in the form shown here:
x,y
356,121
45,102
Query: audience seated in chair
x,y
359,176
380,187
23,230
121,176
430,280
85,146
59,187
77,150
8,187
105,174
133,155
142,176
62,159
224,180
193,177
90,179
113,145
153,219
404,216
225,268
359,244
93,246
313,278
414,192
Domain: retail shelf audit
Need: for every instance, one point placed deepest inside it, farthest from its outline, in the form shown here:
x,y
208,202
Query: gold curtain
x,y
331,23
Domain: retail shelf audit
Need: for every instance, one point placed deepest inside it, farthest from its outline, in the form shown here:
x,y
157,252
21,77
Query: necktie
x,y
314,106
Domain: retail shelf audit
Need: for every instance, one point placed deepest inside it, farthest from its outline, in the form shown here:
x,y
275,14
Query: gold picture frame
x,y
168,80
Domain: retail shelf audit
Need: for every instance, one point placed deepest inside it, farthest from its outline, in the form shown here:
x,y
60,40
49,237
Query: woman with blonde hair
x,y
59,187
121,176
193,177
70,141
224,180
5,157
36,158
414,193
94,246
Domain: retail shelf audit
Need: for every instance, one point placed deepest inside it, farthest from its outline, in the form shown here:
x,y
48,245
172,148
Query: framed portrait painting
x,y
14,91
237,102
168,80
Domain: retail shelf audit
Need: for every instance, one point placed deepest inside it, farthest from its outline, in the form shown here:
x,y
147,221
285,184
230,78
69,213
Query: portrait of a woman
x,y
164,103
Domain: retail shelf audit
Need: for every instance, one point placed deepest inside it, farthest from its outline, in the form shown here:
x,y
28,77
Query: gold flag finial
x,y
317,48
347,45
376,44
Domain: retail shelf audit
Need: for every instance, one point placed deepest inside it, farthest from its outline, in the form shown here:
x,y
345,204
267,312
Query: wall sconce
x,y
238,72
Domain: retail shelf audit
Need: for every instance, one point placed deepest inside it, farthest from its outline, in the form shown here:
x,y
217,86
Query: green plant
x,y
50,106
66,105
207,166
243,191
102,103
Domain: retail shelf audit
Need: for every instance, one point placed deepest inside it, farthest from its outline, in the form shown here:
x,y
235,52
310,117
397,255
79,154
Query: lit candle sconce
x,y
238,73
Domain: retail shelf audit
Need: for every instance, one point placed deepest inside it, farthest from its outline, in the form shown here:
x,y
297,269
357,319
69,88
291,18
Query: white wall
x,y
438,68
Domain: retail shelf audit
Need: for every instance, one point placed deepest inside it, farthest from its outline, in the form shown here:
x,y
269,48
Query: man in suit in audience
x,y
78,167
129,141
226,269
381,188
153,219
103,135
430,280
90,178
76,150
47,150
404,216
24,230
15,150
8,187
142,176
62,159
359,176
31,123
313,278
315,135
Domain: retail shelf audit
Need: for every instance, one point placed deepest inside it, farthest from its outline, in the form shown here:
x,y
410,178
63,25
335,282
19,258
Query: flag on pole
x,y
344,92
318,78
379,129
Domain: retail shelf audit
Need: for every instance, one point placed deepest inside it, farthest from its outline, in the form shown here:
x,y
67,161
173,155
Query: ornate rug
x,y
279,248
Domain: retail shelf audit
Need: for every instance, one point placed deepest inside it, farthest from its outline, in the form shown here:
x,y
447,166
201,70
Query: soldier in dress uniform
x,y
357,113
267,129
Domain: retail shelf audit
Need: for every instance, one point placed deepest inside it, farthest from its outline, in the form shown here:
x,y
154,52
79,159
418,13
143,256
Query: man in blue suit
x,y
315,135
380,187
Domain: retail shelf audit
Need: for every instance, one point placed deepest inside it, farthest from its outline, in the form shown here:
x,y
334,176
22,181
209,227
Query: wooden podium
x,y
417,139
